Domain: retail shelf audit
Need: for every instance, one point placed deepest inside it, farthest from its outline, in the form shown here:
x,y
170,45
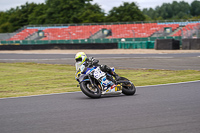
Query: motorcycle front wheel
x,y
87,89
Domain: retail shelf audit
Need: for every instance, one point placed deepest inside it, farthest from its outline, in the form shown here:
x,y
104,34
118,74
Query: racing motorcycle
x,y
94,82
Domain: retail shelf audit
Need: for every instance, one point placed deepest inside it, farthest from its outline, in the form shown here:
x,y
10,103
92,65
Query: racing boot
x,y
117,77
113,74
107,69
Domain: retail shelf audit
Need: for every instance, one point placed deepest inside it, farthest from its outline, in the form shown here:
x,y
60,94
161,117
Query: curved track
x,y
171,108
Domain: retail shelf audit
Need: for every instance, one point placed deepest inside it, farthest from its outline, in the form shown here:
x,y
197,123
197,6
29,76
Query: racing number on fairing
x,y
98,73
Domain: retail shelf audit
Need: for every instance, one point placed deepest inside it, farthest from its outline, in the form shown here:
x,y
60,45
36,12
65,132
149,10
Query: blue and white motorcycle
x,y
94,83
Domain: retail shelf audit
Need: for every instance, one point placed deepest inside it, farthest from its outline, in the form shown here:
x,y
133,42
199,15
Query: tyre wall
x,y
167,44
193,44
61,46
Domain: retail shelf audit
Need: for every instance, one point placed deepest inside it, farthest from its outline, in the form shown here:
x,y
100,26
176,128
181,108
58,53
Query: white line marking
x,y
37,59
40,53
151,57
80,91
169,84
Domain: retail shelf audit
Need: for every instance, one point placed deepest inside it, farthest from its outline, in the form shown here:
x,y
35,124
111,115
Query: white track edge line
x,y
169,84
80,91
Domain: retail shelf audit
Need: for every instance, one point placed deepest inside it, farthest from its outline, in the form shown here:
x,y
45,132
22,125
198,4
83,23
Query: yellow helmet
x,y
80,58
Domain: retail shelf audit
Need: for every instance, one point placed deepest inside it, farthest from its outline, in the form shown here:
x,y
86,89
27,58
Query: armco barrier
x,y
136,45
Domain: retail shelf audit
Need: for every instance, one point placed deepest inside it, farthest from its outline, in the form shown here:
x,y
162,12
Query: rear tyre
x,y
87,89
127,88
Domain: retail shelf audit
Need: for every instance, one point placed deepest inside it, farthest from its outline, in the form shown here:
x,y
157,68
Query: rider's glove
x,y
91,59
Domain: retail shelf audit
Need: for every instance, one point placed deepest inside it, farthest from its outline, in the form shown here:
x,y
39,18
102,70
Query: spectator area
x,y
118,31
188,27
23,34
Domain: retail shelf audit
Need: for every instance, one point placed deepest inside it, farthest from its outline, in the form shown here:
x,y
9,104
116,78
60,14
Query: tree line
x,y
174,11
83,11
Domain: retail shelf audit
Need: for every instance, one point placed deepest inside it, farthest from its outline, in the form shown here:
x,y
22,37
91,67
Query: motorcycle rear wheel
x,y
87,89
127,88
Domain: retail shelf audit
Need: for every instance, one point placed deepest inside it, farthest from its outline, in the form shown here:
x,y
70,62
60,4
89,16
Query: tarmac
x,y
101,51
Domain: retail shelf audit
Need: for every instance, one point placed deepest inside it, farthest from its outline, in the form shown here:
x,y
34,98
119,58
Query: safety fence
x,y
136,45
111,40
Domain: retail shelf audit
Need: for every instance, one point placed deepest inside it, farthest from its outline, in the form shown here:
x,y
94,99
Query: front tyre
x,y
127,88
87,89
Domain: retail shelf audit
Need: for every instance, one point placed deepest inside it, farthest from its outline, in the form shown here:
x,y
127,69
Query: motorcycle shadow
x,y
112,96
109,96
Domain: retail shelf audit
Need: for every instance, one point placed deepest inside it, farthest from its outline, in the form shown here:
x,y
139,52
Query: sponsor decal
x,y
113,86
118,88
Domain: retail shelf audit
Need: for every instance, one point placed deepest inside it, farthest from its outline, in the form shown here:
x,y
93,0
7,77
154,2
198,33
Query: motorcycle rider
x,y
81,59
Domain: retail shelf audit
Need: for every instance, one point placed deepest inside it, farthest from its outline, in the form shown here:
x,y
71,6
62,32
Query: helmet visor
x,y
79,59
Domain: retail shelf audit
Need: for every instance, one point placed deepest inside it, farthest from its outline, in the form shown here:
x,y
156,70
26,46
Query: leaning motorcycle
x,y
94,83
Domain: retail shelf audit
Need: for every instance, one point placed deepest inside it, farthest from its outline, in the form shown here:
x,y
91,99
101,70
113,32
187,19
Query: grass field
x,y
25,79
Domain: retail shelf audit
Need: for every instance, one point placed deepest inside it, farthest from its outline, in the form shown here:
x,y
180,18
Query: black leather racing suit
x,y
91,61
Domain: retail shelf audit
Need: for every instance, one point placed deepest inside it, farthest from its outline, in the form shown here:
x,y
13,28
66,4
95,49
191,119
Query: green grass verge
x,y
24,79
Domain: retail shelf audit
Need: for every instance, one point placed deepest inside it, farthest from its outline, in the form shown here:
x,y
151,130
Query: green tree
x,y
38,16
64,11
3,17
125,12
91,13
19,16
195,8
165,11
6,27
174,10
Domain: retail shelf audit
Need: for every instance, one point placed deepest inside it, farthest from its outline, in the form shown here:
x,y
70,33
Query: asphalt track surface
x,y
171,108
181,61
